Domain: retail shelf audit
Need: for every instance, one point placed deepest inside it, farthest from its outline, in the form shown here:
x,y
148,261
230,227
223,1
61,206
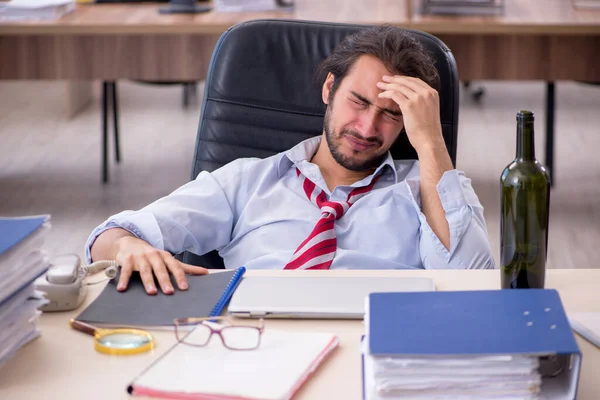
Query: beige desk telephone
x,y
64,282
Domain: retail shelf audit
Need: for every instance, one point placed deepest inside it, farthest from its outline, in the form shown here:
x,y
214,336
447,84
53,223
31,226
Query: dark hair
x,y
400,52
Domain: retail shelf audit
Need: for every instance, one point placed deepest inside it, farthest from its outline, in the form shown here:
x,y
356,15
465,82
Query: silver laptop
x,y
314,297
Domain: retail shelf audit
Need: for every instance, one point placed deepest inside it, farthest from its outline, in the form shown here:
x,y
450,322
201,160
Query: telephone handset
x,y
63,283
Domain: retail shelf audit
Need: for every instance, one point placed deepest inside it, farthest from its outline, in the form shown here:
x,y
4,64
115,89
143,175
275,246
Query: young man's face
x,y
359,126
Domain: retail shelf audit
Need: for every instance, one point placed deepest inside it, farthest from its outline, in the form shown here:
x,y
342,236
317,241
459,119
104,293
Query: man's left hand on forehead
x,y
420,107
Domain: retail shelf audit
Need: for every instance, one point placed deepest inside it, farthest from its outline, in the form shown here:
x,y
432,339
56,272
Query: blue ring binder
x,y
228,292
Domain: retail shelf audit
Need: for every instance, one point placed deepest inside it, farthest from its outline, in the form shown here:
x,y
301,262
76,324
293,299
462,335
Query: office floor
x,y
51,164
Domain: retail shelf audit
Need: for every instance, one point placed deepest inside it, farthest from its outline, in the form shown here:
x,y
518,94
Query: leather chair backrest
x,y
260,95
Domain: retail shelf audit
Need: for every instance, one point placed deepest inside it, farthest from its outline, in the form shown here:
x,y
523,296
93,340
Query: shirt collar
x,y
305,150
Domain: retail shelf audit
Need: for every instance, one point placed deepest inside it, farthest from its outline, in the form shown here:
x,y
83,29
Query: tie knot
x,y
318,249
337,209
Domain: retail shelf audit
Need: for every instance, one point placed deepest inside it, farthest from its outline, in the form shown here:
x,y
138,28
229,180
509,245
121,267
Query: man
x,y
334,201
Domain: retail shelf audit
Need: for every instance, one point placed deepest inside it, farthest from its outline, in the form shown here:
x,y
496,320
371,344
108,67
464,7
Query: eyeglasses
x,y
198,331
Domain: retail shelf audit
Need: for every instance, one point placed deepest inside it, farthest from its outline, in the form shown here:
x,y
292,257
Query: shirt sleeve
x,y
197,217
469,243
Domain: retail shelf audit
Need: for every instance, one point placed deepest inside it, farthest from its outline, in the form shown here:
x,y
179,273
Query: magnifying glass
x,y
116,341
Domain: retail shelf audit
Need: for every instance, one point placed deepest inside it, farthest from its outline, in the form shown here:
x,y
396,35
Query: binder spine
x,y
231,286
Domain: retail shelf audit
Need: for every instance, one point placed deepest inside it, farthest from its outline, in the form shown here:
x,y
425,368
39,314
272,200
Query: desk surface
x,y
521,17
63,364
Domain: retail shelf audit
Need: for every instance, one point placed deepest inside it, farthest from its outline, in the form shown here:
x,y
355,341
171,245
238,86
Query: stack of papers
x,y
463,7
492,377
583,4
22,260
18,10
252,5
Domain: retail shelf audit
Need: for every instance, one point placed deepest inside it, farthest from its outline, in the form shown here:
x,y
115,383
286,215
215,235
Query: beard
x,y
350,163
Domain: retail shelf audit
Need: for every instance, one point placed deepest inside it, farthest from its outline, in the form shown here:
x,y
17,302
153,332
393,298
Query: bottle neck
x,y
525,140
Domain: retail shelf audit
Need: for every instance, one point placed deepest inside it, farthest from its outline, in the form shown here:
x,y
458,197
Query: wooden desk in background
x,y
534,40
133,41
62,363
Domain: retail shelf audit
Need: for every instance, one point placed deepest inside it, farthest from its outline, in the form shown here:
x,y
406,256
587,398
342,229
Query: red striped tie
x,y
318,249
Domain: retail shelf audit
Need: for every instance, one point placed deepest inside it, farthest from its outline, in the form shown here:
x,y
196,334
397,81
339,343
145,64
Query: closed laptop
x,y
315,297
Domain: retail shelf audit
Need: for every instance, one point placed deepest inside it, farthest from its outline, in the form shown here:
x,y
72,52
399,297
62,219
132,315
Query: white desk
x,y
62,363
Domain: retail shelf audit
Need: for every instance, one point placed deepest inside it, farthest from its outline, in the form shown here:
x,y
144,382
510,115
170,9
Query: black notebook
x,y
206,296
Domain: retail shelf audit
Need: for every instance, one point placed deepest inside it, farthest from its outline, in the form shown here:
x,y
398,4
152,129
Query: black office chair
x,y
260,98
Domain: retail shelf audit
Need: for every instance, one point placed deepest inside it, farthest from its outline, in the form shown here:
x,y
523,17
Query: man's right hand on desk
x,y
134,254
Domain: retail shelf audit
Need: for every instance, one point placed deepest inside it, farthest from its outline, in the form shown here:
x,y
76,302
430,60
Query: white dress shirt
x,y
255,213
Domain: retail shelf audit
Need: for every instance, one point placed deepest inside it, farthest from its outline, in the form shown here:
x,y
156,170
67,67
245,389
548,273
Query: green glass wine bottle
x,y
524,208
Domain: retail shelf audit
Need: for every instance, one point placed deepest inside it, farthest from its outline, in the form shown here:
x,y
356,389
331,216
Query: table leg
x,y
106,86
550,92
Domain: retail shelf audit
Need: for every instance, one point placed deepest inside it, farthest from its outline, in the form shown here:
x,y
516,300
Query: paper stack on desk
x,y
22,260
502,344
511,377
252,5
19,10
463,7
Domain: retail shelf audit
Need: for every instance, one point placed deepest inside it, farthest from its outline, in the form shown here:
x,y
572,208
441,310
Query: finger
x,y
177,270
408,92
147,276
126,270
193,269
398,97
418,81
415,84
161,273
